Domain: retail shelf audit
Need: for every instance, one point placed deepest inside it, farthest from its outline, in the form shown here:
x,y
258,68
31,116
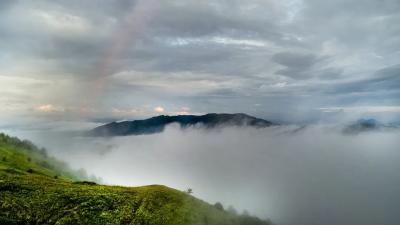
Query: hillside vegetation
x,y
38,189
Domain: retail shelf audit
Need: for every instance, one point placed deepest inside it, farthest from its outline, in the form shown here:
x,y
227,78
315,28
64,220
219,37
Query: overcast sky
x,y
72,60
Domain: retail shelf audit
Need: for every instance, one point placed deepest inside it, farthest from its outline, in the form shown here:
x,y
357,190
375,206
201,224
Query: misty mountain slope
x,y
157,124
23,157
32,192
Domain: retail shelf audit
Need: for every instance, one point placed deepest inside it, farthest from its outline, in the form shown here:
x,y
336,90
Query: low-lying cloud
x,y
315,175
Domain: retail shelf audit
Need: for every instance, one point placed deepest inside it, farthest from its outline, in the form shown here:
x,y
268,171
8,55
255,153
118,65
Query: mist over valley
x,y
290,174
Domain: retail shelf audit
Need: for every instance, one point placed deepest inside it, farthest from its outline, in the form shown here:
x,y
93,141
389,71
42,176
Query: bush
x,y
219,206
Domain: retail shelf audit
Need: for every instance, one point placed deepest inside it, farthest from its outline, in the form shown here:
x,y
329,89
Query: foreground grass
x,y
36,190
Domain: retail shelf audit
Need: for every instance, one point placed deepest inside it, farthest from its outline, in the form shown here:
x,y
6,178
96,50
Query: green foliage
x,y
50,195
24,156
219,206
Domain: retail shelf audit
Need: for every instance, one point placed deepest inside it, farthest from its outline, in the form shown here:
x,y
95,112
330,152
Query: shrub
x,y
219,206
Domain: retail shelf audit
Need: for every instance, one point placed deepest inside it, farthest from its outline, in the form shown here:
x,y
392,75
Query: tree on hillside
x,y
219,206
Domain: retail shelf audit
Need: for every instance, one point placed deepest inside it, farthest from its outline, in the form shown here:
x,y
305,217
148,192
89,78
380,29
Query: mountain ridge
x,y
368,125
158,123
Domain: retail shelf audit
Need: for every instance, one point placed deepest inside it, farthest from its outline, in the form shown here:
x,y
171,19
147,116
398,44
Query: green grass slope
x,y
37,189
22,157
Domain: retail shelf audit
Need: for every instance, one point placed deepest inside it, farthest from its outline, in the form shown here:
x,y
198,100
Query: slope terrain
x,y
38,189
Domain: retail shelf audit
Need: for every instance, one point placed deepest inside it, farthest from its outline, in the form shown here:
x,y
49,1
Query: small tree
x,y
219,206
189,191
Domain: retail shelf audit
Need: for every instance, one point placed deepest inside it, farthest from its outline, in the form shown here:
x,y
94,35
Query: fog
x,y
315,175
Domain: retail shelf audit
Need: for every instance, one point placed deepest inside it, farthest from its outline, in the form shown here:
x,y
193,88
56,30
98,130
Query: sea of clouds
x,y
293,175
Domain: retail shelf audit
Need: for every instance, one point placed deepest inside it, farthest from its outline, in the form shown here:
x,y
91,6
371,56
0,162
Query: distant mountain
x,y
363,125
157,124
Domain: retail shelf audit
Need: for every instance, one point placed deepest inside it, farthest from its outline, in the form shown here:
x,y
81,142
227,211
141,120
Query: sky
x,y
68,62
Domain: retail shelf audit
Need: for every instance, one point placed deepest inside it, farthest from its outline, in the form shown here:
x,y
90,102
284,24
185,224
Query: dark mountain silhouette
x,y
364,125
157,124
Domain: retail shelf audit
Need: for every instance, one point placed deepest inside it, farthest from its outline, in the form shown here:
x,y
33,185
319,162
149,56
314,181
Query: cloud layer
x,y
313,175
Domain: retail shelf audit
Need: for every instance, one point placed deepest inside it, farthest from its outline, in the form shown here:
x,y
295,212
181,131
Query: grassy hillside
x,y
22,157
37,189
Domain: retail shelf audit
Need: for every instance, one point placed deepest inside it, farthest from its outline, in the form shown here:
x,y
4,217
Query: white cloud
x,y
146,111
48,108
159,109
62,22
362,109
223,40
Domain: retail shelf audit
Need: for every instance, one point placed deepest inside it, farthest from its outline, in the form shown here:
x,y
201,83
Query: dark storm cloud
x,y
356,24
330,73
297,65
383,80
207,57
196,19
78,54
295,60
4,5
392,72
